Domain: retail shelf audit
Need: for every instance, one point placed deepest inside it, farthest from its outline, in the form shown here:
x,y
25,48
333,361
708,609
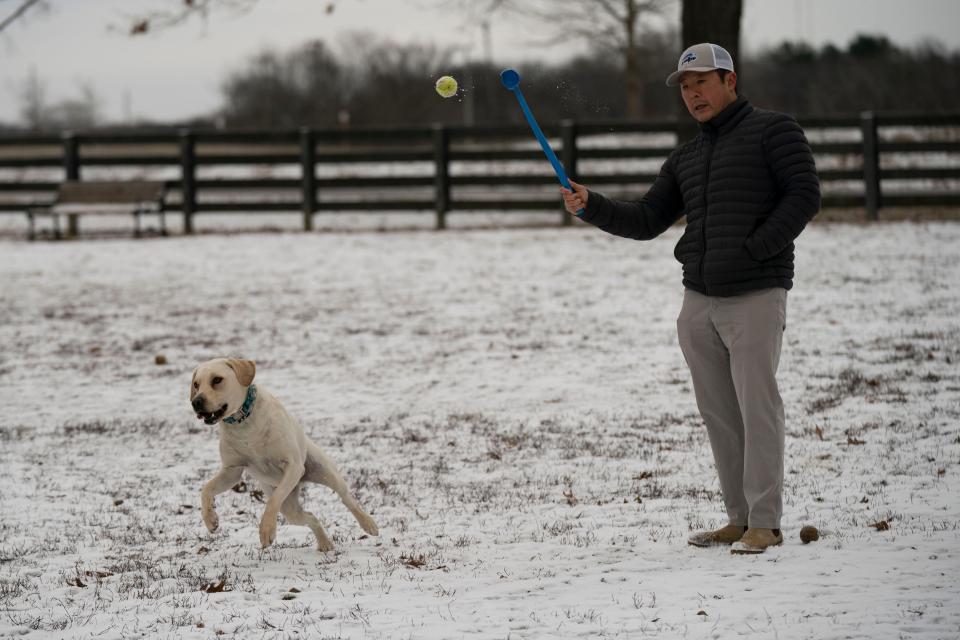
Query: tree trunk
x,y
634,86
716,21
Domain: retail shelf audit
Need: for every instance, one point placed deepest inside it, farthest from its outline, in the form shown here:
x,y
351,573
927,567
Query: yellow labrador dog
x,y
257,435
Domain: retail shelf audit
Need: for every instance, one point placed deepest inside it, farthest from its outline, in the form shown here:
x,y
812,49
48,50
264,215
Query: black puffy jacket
x,y
747,184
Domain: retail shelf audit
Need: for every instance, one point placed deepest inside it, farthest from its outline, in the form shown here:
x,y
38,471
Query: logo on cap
x,y
688,58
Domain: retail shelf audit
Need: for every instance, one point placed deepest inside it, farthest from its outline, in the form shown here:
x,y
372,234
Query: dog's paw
x,y
268,531
368,525
324,544
211,520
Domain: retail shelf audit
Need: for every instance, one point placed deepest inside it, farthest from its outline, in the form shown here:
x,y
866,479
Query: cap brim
x,y
674,78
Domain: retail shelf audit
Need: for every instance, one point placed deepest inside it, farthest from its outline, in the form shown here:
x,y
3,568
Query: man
x,y
747,185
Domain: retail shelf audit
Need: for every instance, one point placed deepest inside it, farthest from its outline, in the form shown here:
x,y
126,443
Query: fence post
x,y
308,167
441,181
871,164
188,183
71,171
568,134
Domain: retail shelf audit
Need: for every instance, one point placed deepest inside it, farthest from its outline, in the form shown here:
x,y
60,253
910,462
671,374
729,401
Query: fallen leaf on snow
x,y
97,574
414,562
215,587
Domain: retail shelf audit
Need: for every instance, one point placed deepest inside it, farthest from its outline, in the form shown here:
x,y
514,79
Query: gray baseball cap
x,y
701,57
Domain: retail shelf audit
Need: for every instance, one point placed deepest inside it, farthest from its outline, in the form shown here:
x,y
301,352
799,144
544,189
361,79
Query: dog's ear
x,y
245,370
193,379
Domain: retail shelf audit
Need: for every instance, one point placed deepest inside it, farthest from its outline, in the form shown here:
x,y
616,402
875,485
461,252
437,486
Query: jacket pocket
x,y
689,246
746,241
749,255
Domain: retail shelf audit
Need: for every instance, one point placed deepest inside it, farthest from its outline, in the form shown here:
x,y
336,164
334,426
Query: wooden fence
x,y
868,161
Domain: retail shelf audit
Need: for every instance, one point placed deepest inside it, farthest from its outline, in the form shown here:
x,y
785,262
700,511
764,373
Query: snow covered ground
x,y
511,407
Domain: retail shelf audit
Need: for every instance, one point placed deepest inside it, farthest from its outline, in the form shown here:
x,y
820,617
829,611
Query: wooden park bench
x,y
76,198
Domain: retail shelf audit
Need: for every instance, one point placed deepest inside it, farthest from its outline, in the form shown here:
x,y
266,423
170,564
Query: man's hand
x,y
575,200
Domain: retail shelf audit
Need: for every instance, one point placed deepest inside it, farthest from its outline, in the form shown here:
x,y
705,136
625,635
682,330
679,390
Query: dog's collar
x,y
244,412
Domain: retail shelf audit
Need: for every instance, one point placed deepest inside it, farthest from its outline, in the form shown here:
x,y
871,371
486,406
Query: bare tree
x,y
615,26
187,9
162,18
383,74
302,87
372,82
80,112
33,101
18,13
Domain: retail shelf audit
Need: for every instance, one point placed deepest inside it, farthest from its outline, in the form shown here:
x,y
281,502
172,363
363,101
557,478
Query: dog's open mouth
x,y
213,417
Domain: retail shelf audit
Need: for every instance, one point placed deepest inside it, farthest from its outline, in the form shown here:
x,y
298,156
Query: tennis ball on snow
x,y
447,86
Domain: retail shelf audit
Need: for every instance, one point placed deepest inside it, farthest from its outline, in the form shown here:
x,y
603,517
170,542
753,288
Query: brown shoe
x,y
757,541
721,537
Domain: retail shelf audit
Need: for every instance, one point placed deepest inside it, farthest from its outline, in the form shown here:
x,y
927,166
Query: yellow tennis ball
x,y
447,86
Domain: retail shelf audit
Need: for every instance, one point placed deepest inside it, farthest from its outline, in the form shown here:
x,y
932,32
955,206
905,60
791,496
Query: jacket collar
x,y
728,118
244,412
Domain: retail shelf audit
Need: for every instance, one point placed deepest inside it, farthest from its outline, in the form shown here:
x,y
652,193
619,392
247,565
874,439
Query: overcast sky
x,y
178,73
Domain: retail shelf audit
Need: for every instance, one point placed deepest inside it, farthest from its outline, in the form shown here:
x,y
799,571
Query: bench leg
x,y
163,223
32,225
136,223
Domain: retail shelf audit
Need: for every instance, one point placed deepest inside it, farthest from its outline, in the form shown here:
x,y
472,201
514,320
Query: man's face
x,y
705,94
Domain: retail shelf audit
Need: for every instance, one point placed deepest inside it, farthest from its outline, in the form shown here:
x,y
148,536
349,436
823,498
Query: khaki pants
x,y
732,346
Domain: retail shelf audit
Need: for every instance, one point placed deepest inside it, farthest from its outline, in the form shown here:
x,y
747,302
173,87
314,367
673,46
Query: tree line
x,y
388,84
375,82
871,73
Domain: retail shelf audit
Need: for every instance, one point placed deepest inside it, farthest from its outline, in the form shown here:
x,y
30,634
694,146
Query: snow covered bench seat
x,y
76,197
